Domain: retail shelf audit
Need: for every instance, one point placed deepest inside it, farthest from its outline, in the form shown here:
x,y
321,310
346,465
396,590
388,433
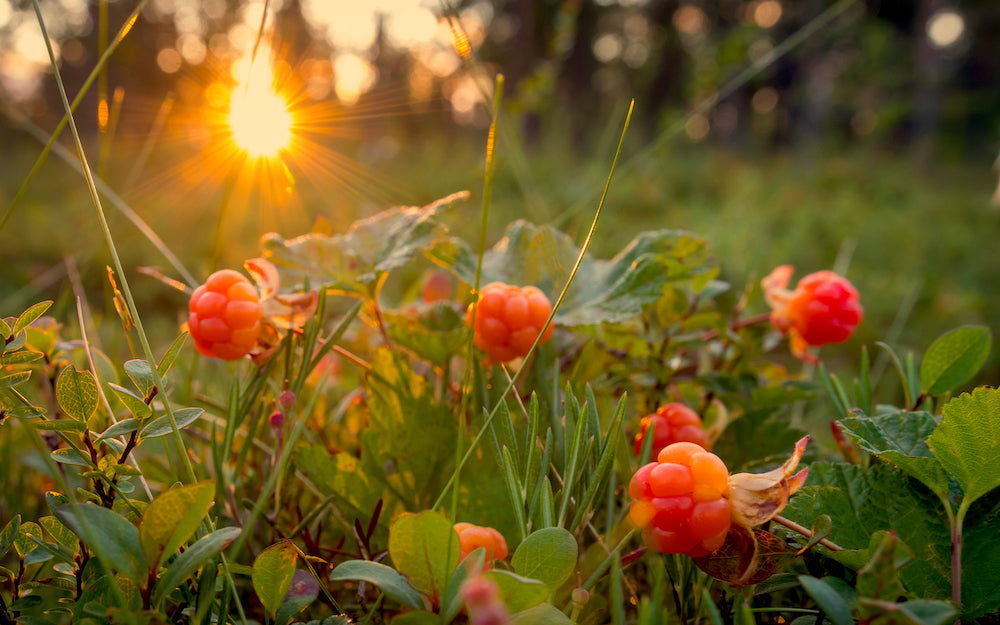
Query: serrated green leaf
x,y
273,570
141,375
76,393
353,261
900,439
548,555
954,358
386,578
124,426
519,593
13,379
109,535
435,332
967,442
425,548
611,291
172,518
30,315
829,600
160,426
135,404
192,559
8,534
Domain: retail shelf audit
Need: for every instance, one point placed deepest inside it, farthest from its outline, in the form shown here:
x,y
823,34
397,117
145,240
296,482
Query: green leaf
x,y
171,519
8,534
518,592
900,439
109,535
135,404
954,358
192,559
471,564
548,555
420,617
425,548
353,261
22,541
60,425
5,330
836,608
160,426
125,426
13,379
76,393
612,291
168,359
30,315
967,442
386,578
22,357
273,571
913,612
141,375
68,455
543,614
58,530
435,332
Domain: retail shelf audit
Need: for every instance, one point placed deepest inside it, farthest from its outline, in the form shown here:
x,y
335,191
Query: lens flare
x,y
260,120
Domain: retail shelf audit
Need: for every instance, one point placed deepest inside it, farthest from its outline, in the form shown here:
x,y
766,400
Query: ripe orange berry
x,y
472,537
824,308
508,320
680,501
225,316
672,423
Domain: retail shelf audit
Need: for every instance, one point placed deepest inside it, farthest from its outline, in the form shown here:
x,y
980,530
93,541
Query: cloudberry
x,y
509,320
672,423
824,308
225,316
680,501
471,537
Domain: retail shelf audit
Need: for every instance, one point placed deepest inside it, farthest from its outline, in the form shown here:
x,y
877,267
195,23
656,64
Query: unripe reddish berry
x,y
225,316
671,423
824,308
436,286
680,501
472,537
508,320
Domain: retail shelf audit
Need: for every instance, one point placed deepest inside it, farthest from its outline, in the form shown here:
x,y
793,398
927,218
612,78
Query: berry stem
x,y
795,527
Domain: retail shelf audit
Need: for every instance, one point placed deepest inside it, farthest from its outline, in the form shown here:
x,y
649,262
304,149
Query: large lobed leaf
x,y
862,501
353,262
603,291
967,442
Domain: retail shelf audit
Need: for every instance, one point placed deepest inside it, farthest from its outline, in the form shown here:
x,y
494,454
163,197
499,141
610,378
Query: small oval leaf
x,y
386,578
171,519
76,393
954,358
548,555
30,315
273,571
161,425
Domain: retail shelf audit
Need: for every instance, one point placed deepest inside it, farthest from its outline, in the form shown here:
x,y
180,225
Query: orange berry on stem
x,y
508,320
224,316
671,423
472,537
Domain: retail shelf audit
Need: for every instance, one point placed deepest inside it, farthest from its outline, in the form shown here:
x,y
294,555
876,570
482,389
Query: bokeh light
x,y
945,28
258,115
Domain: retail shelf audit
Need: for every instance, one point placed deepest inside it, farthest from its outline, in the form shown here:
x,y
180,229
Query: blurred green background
x,y
852,135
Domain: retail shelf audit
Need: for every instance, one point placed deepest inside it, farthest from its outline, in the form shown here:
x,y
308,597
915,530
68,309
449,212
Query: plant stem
x,y
956,550
795,527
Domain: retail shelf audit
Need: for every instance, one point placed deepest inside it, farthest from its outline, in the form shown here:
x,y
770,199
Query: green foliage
x,y
172,518
385,577
548,555
273,571
425,549
967,442
954,358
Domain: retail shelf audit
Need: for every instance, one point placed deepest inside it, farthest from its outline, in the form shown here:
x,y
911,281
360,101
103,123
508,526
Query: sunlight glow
x,y
258,115
945,28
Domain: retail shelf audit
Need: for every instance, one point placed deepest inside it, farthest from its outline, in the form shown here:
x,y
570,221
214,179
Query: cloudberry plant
x,y
225,316
824,308
472,537
680,501
671,423
508,320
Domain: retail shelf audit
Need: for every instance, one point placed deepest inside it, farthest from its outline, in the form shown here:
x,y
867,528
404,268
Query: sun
x,y
260,120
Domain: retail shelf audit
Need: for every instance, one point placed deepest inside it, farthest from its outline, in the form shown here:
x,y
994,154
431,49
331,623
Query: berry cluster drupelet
x,y
508,319
671,423
680,501
225,316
